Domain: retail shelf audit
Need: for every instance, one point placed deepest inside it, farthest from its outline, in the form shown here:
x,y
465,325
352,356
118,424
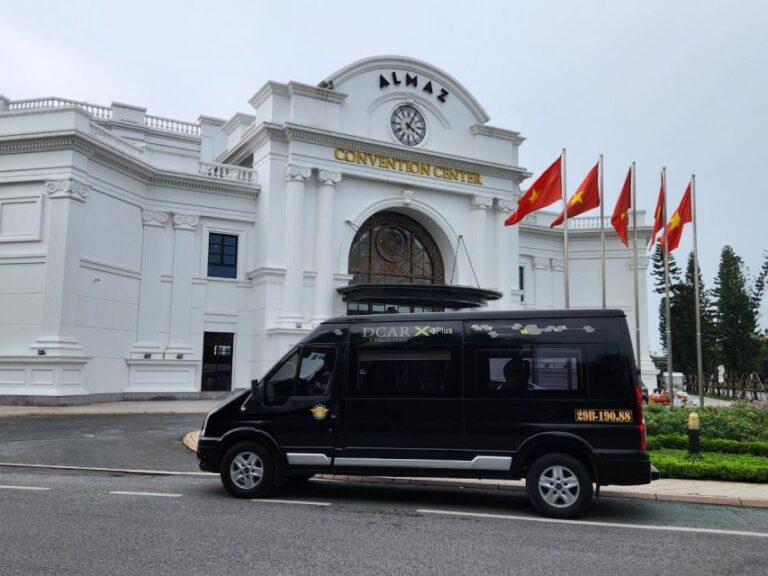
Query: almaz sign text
x,y
411,80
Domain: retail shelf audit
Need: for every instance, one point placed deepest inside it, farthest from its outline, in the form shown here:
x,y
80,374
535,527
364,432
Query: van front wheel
x,y
559,486
247,470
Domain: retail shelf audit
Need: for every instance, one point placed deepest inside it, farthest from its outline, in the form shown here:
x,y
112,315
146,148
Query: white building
x,y
141,255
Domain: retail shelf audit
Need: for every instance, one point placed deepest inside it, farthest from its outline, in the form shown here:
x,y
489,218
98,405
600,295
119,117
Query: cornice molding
x,y
335,140
112,158
500,133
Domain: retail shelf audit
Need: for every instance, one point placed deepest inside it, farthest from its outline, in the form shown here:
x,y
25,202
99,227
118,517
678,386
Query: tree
x,y
683,312
657,261
736,315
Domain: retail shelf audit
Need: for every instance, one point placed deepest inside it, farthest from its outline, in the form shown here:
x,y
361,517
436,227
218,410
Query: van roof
x,y
475,315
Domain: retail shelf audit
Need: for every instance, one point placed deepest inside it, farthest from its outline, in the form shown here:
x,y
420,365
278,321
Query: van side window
x,y
315,376
405,374
316,372
556,369
279,386
609,371
527,371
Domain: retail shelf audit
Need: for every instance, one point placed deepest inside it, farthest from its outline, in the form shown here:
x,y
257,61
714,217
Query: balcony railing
x,y
105,113
101,112
169,125
228,172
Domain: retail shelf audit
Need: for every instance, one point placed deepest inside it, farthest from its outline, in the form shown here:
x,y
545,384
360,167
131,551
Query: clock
x,y
408,125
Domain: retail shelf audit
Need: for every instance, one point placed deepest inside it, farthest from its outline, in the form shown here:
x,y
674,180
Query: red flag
x,y
681,216
586,197
658,215
545,191
620,218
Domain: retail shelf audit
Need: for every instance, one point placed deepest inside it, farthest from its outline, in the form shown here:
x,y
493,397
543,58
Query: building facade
x,y
144,255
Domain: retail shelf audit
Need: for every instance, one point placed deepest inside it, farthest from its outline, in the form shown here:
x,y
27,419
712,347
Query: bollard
x,y
694,440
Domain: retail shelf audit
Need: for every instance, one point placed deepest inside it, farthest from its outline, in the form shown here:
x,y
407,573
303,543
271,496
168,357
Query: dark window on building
x,y
406,374
222,255
521,282
391,248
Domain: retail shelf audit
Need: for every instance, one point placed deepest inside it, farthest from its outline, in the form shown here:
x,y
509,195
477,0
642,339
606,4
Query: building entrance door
x,y
217,361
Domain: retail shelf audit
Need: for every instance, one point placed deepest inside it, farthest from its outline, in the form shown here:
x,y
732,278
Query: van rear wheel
x,y
247,470
559,486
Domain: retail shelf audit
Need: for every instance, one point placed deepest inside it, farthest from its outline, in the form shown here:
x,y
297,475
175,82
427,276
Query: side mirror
x,y
257,393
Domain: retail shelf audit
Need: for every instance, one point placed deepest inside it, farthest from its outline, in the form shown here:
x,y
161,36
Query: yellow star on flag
x,y
624,215
675,221
577,198
533,196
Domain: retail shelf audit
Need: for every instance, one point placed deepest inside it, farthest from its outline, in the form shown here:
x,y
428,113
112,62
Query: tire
x,y
559,486
247,470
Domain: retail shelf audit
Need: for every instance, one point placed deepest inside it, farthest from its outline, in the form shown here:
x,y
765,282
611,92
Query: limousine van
x,y
549,396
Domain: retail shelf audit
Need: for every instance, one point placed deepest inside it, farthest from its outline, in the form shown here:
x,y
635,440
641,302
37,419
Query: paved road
x,y
143,441
57,522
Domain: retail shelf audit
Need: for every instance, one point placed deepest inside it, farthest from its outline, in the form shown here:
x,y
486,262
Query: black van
x,y
549,396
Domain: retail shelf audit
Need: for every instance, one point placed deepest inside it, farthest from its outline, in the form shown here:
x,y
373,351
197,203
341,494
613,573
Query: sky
x,y
681,84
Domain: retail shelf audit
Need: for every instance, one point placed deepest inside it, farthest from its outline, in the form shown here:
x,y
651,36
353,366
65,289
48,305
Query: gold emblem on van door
x,y
319,412
607,415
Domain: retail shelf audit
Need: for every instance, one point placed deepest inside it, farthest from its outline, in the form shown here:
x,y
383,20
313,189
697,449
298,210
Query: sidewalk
x,y
133,407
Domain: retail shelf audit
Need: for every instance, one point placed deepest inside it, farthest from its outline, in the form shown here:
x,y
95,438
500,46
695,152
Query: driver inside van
x,y
515,375
319,382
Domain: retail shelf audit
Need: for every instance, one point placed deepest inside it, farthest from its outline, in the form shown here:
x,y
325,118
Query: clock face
x,y
408,125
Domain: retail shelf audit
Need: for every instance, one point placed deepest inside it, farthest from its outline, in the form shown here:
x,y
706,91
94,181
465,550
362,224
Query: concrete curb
x,y
190,441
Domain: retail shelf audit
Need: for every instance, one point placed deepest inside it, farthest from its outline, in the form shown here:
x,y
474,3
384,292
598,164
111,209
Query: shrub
x,y
678,441
710,466
741,422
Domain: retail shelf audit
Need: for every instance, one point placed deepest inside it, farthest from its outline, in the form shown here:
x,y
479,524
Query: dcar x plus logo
x,y
431,330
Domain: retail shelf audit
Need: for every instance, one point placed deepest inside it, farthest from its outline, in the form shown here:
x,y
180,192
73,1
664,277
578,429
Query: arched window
x,y
391,248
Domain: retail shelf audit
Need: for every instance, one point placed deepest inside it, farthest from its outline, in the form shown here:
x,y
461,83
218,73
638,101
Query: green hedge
x,y
679,441
742,422
710,466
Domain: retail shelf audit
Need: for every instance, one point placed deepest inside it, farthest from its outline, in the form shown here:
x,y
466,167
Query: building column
x,y
507,255
558,283
181,293
59,302
647,367
324,261
147,341
479,246
292,314
542,288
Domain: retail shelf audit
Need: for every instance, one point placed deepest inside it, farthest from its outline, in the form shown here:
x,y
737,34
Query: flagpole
x,y
565,233
637,281
602,228
696,288
665,250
